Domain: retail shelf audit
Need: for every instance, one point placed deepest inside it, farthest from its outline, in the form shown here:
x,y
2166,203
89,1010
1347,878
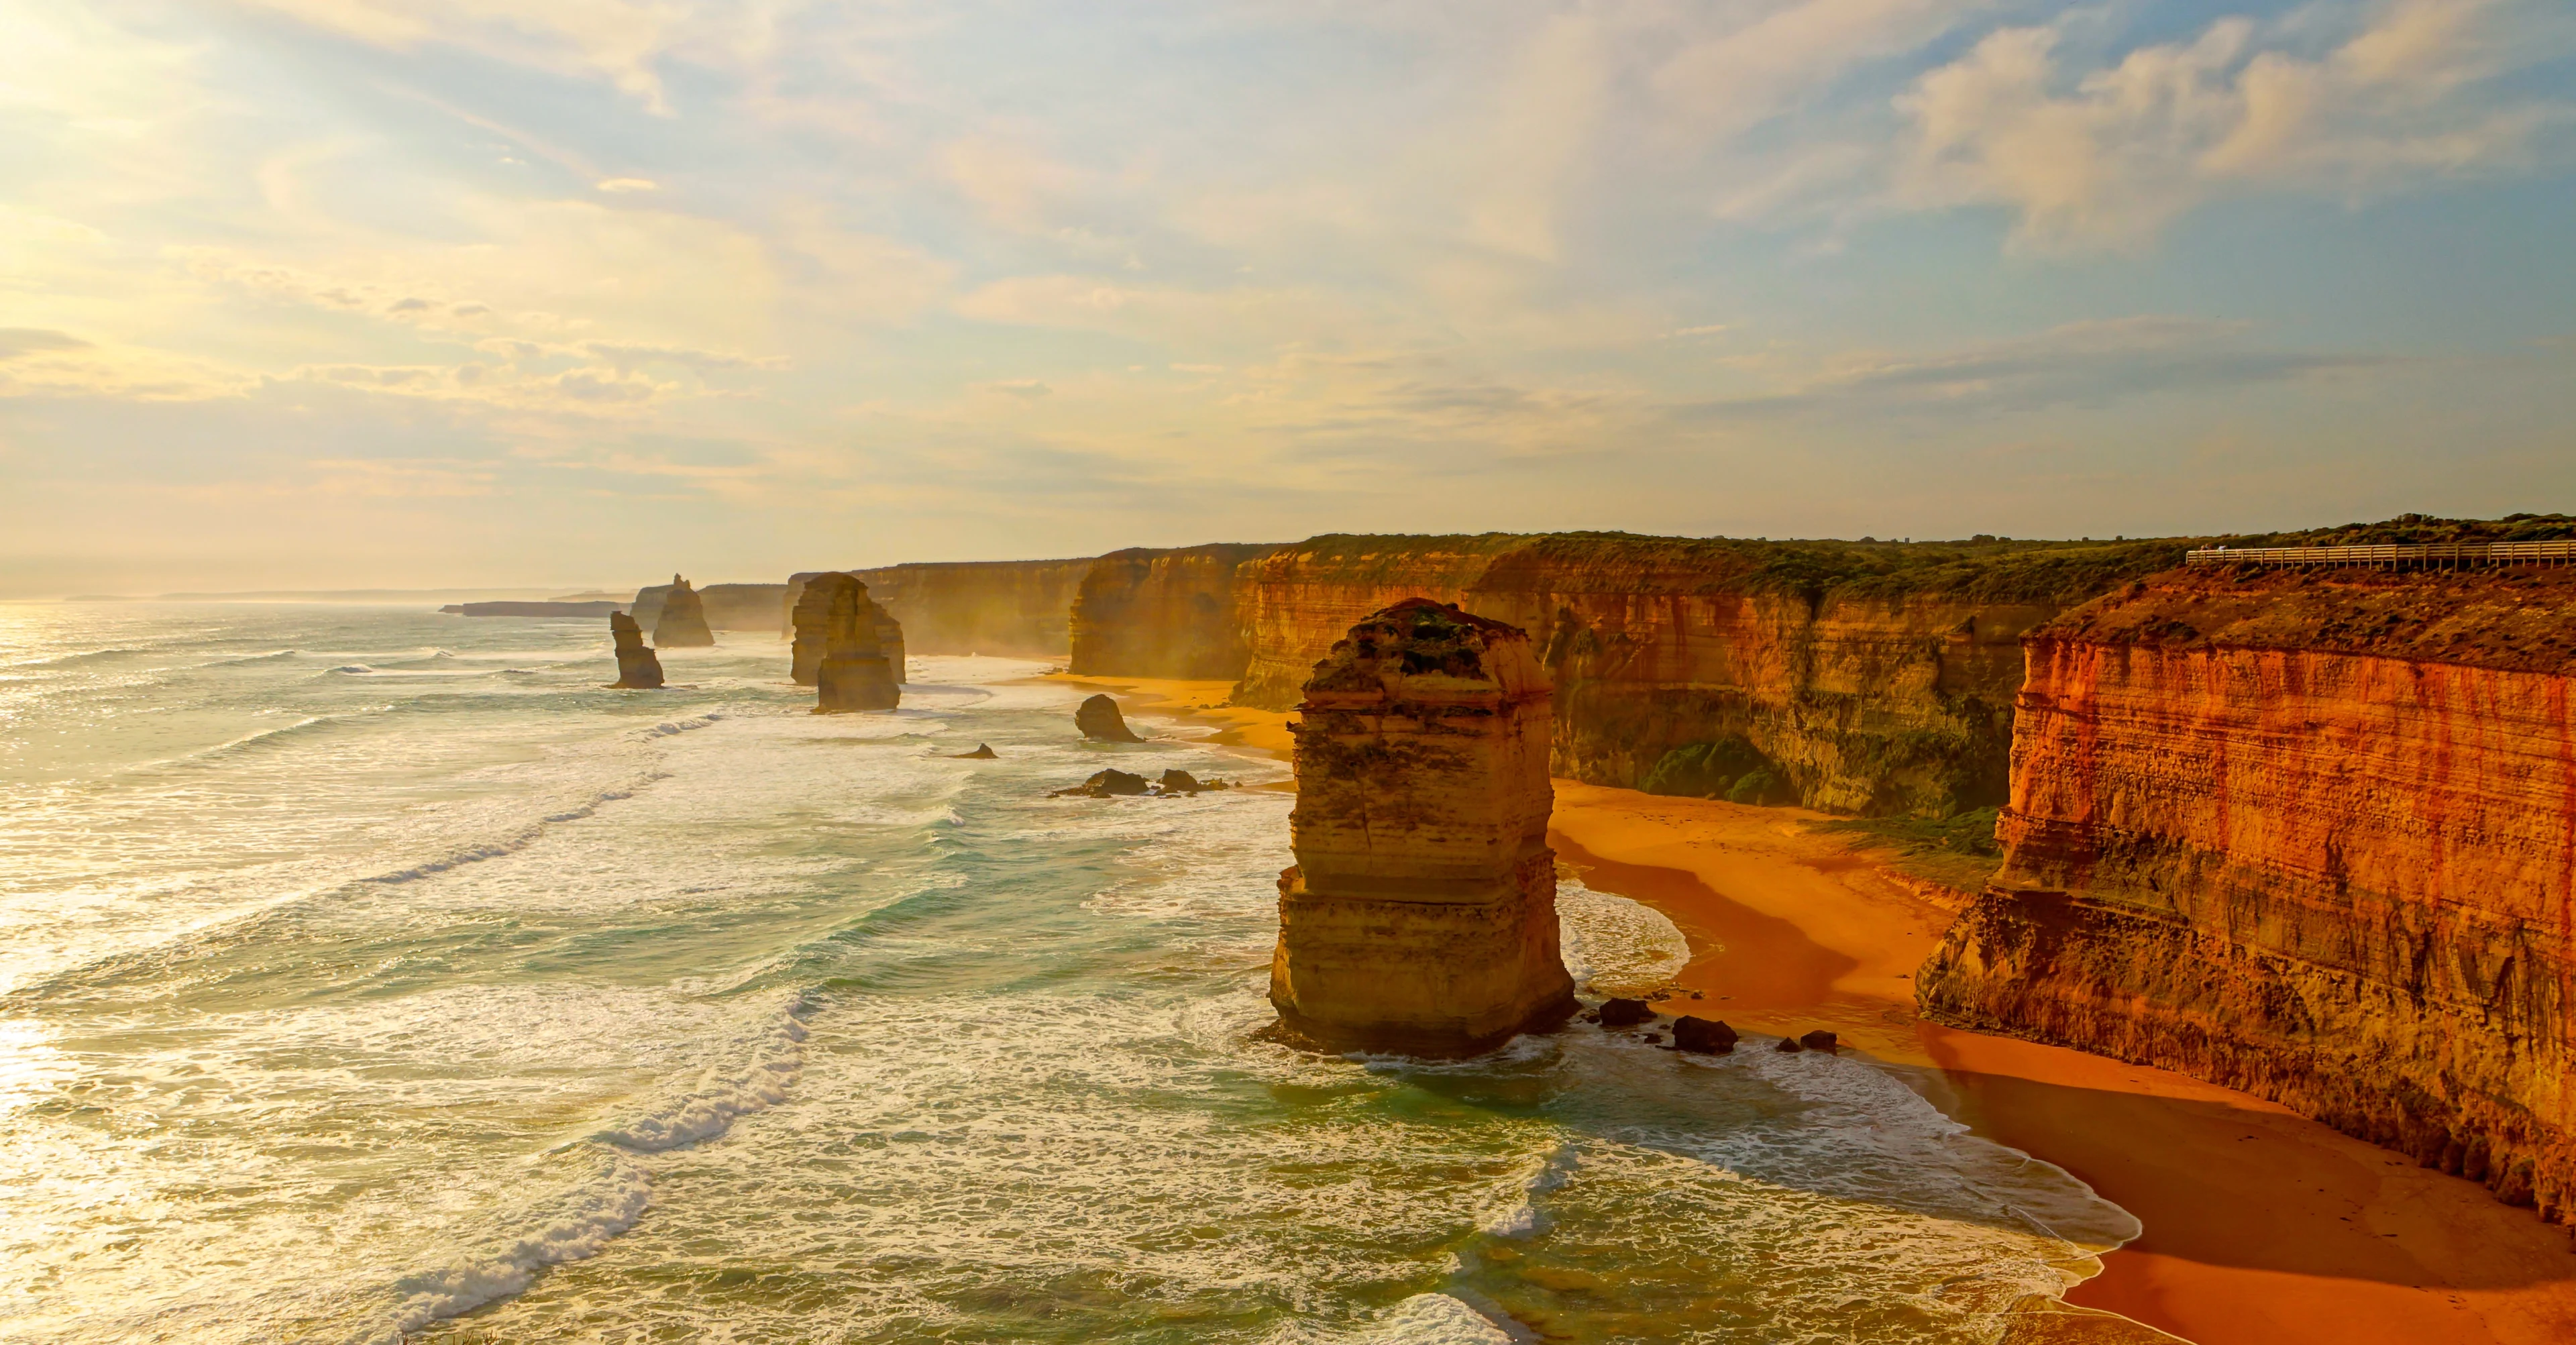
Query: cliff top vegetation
x,y
2515,618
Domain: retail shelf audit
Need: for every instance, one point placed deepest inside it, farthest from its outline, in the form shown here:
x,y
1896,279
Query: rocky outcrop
x,y
1014,608
638,669
1421,913
1108,784
1163,613
1099,721
835,620
1853,677
982,752
647,606
1703,1036
2313,837
682,622
811,629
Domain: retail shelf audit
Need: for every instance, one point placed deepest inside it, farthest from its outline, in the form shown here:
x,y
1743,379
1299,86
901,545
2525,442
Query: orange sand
x,y
2262,1228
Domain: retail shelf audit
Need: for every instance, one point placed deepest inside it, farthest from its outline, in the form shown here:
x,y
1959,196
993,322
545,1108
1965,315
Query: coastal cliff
x,y
1145,612
1016,608
1861,677
1421,913
2312,836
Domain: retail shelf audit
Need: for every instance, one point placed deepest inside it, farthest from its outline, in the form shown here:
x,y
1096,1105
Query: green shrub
x,y
1714,770
1761,788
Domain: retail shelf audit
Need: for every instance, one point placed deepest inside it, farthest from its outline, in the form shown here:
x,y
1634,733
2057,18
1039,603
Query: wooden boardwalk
x,y
2433,556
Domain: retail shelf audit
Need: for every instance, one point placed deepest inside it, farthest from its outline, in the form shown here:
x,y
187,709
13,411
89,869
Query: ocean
x,y
371,975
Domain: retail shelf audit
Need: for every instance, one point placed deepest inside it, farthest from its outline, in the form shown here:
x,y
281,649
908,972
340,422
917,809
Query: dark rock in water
x,y
1654,1039
817,624
637,667
1106,784
1704,1035
683,622
1818,1040
1100,721
1182,782
982,752
1625,1013
1788,1044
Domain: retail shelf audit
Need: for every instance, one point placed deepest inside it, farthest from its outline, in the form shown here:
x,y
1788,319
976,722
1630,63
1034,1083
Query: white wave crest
x,y
755,1071
570,1224
670,727
517,841
1614,946
1524,1217
1424,1319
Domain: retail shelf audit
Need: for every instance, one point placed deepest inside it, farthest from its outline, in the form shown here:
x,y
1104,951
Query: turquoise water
x,y
369,974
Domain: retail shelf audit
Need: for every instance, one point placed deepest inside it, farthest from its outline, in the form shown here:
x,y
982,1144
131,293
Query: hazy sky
x,y
356,292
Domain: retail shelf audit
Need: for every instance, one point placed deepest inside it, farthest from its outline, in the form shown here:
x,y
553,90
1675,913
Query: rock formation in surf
x,y
1099,720
1421,914
812,628
637,667
851,672
683,620
1012,608
2308,835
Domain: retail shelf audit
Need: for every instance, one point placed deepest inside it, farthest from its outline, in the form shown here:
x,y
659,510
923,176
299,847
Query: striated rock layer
x,y
1154,613
1420,916
1015,608
836,620
1871,678
810,628
2312,837
682,622
637,667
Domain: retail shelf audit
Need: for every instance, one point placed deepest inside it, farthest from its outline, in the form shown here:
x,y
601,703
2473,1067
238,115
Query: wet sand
x,y
2262,1227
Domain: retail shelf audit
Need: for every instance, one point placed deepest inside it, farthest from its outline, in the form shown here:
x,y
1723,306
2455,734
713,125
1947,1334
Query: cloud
x,y
628,184
2107,157
17,341
2082,363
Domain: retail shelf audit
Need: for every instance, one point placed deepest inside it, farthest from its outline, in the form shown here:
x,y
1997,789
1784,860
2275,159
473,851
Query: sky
x,y
352,293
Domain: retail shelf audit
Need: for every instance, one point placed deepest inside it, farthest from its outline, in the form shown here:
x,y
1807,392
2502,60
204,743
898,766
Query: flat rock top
x,y
2515,619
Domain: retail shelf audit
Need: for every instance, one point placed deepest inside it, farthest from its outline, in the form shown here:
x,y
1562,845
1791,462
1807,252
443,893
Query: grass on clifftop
x,y
1959,851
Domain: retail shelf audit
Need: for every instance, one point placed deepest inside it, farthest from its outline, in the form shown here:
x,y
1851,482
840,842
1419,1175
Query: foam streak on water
x,y
370,975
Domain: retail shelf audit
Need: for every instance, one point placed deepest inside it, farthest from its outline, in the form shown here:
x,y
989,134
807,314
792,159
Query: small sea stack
x,y
851,671
637,667
807,626
683,620
1099,720
1420,916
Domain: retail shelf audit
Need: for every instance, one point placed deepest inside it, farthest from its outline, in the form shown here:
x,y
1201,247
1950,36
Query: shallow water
x,y
368,973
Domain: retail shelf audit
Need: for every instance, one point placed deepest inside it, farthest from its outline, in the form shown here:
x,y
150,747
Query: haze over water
x,y
366,972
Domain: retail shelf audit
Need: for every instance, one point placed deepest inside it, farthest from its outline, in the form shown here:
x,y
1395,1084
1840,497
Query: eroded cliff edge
x,y
2313,837
1871,677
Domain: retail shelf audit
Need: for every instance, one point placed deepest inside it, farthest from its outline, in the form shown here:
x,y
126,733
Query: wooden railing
x,y
2436,555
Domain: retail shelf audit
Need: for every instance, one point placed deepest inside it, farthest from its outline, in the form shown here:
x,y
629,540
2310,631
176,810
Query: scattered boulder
x,y
982,752
1818,1040
1625,1013
637,667
1100,721
1182,782
1105,785
1706,1036
1788,1044
683,622
1654,1039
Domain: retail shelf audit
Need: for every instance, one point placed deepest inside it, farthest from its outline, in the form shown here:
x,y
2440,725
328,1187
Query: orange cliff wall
x,y
1016,608
1873,697
1145,612
2312,837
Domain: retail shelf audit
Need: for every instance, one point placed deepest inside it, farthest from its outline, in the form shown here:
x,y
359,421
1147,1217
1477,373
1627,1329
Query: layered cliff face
x,y
1421,914
1868,678
1163,613
810,626
1017,608
682,622
2313,837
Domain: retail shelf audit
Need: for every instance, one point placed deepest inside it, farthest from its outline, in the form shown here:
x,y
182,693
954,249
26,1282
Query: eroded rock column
x,y
836,620
683,622
1421,914
637,667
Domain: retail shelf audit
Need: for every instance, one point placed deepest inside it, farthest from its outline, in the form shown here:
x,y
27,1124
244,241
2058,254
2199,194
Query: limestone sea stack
x,y
637,668
851,671
806,626
1420,916
683,622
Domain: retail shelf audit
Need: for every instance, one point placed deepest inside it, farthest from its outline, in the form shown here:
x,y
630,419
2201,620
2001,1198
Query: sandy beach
x,y
2260,1226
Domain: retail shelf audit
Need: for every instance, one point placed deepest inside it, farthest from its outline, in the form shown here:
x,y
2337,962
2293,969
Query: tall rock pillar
x,y
838,625
683,622
809,628
1421,914
637,668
